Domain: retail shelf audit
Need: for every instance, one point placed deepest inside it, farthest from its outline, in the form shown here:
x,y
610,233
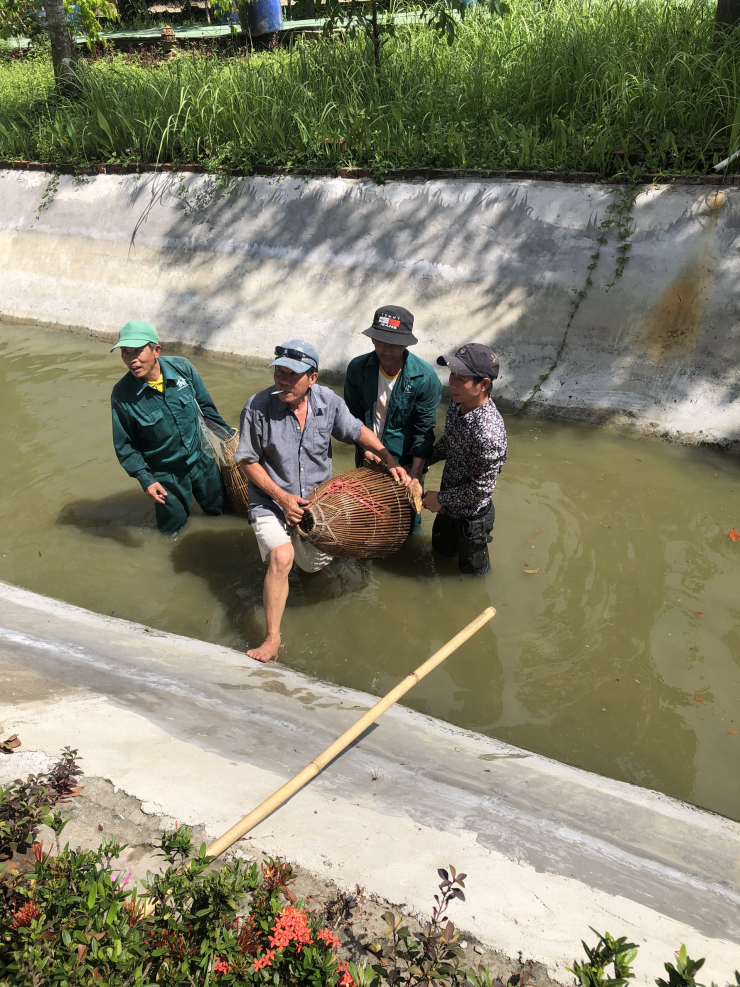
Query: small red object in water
x,y
702,701
734,535
699,613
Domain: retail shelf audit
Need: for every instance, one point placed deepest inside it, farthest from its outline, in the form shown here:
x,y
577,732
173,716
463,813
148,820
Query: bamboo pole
x,y
319,763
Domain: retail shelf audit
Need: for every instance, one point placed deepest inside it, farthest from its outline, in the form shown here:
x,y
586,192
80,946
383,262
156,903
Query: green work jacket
x,y
409,424
155,432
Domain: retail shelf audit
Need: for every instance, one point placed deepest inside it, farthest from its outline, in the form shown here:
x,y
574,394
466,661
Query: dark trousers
x,y
202,481
467,538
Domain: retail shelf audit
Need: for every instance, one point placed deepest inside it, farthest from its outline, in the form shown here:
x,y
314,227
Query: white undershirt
x,y
385,389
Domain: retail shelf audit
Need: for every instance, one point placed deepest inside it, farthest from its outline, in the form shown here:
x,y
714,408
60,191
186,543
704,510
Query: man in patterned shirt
x,y
474,449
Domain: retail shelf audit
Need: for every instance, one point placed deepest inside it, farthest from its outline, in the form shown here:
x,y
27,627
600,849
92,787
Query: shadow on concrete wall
x,y
500,266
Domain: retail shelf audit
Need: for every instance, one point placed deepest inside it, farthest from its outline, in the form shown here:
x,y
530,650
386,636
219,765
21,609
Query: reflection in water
x,y
599,657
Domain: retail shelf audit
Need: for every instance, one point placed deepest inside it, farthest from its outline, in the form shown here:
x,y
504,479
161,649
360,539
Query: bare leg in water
x,y
274,596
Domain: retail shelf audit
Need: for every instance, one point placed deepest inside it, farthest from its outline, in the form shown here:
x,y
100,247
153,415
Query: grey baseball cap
x,y
472,360
296,355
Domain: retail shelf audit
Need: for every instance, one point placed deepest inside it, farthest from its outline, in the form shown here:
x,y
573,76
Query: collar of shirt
x,y
166,369
472,417
409,370
278,410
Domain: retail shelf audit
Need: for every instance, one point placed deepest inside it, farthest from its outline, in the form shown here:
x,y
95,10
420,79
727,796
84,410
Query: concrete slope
x,y
201,734
236,266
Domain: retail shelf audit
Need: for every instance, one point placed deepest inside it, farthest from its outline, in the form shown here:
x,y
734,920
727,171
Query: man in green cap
x,y
156,432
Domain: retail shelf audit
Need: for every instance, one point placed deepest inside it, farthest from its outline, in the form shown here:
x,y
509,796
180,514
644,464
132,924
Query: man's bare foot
x,y
267,651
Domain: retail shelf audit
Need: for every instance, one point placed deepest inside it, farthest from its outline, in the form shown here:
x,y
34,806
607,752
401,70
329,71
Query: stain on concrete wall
x,y
672,328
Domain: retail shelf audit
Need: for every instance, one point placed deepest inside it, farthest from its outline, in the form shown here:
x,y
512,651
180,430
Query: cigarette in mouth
x,y
279,392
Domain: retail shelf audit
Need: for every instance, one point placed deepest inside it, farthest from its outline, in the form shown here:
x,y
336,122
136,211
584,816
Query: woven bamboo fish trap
x,y
235,481
362,514
222,446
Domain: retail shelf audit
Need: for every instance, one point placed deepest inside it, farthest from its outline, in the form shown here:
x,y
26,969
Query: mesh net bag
x,y
220,445
362,514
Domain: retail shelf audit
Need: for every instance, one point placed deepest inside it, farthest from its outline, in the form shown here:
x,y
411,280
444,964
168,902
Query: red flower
x,y
345,980
276,874
221,966
249,937
265,960
24,916
38,850
291,927
136,911
329,938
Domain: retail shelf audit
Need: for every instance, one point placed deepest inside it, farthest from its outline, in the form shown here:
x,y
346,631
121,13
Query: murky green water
x,y
596,659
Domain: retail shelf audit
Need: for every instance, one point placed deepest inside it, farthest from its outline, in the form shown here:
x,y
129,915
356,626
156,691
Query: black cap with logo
x,y
472,360
392,324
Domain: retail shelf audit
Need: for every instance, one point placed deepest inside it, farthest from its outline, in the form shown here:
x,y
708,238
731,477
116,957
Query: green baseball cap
x,y
135,334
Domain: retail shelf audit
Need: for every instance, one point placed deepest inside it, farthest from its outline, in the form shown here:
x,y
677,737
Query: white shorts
x,y
271,532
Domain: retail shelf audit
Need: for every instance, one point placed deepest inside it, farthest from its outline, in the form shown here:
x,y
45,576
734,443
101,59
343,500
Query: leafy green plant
x,y
608,952
24,17
430,955
26,805
176,845
354,19
445,15
683,974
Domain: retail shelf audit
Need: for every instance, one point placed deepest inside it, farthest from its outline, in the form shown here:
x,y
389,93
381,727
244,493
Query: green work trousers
x,y
201,481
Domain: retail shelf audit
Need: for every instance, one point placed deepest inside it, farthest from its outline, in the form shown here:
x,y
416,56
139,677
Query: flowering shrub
x,y
74,920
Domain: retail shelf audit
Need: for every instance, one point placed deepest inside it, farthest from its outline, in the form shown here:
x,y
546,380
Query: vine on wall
x,y
618,216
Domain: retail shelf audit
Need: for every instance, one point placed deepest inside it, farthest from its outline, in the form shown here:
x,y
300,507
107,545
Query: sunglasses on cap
x,y
294,354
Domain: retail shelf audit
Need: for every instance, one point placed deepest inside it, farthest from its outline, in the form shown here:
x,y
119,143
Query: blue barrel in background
x,y
264,16
232,18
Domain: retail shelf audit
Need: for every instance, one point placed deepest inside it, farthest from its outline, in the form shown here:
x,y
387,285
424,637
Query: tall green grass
x,y
564,84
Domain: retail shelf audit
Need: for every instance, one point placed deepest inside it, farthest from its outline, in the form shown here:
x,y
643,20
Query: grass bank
x,y
568,85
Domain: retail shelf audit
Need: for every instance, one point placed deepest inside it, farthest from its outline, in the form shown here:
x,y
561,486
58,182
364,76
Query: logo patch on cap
x,y
387,320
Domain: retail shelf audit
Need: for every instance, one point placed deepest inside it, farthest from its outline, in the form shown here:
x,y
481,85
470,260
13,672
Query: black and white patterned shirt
x,y
474,449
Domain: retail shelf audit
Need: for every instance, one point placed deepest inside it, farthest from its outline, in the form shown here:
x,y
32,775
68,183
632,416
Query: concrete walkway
x,y
202,734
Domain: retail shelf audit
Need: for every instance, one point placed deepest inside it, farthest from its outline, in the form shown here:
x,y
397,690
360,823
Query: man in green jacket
x,y
156,432
394,392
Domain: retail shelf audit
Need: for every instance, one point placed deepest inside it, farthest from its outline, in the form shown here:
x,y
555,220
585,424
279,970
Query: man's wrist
x,y
145,478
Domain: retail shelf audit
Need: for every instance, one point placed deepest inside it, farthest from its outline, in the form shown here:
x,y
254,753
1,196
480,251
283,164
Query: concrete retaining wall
x,y
236,267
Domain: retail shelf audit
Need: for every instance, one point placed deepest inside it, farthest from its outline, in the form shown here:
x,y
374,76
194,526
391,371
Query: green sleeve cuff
x,y
145,478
